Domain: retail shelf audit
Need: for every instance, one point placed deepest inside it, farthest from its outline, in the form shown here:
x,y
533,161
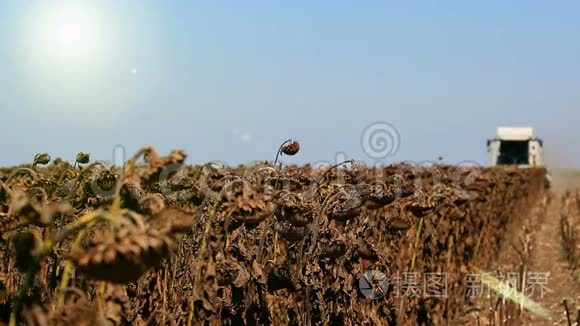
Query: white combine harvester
x,y
516,146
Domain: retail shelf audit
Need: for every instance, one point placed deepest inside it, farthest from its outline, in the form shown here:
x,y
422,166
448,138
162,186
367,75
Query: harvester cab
x,y
515,146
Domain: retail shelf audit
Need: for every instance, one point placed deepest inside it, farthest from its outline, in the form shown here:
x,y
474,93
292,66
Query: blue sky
x,y
230,80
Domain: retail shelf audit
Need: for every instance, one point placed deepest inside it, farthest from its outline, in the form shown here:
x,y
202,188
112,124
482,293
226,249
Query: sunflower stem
x,y
416,244
16,172
280,151
80,176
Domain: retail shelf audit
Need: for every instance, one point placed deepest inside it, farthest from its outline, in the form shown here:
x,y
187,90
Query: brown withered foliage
x,y
569,220
158,242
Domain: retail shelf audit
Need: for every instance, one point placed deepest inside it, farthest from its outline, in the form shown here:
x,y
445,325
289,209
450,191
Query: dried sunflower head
x,y
400,186
332,249
366,250
177,156
123,256
215,180
157,164
107,180
291,148
151,204
397,218
280,278
421,206
296,209
59,162
131,194
83,158
345,204
46,184
355,174
376,194
41,158
230,272
250,206
290,232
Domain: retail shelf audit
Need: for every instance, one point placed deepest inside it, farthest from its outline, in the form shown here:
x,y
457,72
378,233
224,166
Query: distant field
x,y
566,178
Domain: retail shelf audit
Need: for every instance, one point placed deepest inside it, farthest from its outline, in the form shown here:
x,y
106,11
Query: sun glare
x,y
70,33
67,52
66,32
